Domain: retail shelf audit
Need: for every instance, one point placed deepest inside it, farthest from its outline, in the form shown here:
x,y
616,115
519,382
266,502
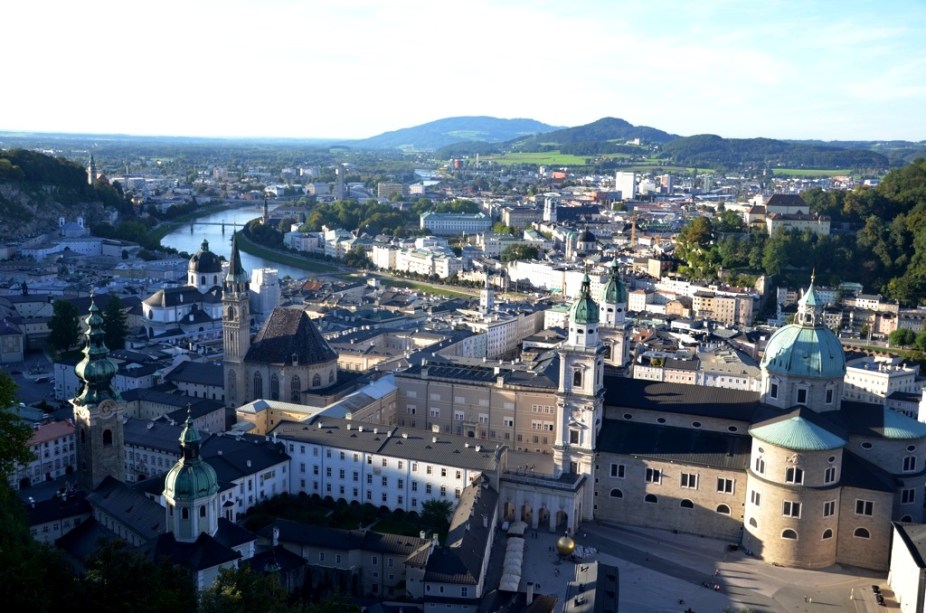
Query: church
x,y
288,359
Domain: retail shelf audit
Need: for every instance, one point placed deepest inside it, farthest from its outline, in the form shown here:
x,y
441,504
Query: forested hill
x,y
443,132
36,189
711,151
880,241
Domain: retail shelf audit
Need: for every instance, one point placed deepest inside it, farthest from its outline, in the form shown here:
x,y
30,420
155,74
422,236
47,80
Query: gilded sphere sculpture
x,y
565,546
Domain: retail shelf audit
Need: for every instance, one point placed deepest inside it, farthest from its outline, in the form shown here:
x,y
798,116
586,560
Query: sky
x,y
822,69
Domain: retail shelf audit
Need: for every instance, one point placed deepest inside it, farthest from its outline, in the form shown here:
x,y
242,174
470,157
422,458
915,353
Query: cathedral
x,y
795,474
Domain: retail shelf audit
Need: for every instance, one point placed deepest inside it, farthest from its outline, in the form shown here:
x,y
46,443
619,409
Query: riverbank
x,y
283,257
167,227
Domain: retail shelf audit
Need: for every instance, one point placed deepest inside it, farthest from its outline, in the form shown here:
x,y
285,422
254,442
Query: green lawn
x,y
810,172
540,158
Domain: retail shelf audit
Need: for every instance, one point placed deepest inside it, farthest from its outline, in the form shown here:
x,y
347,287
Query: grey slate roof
x,y
205,552
407,443
624,393
460,561
44,511
130,507
415,549
287,333
681,445
197,373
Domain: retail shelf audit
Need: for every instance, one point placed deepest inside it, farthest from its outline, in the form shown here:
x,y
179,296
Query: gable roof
x,y
672,444
289,333
624,393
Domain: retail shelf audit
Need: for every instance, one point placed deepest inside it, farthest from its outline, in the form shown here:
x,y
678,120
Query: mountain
x,y
443,132
607,129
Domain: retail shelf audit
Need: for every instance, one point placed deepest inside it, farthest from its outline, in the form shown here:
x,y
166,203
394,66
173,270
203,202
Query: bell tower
x,y
98,411
612,317
236,327
191,490
580,395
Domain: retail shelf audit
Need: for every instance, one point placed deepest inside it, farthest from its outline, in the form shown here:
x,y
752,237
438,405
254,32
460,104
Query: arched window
x,y
862,533
686,504
295,385
827,534
651,498
753,522
607,351
274,387
723,509
316,380
616,493
577,378
789,534
230,313
331,376
107,437
83,435
258,386
202,511
202,280
215,279
184,513
906,519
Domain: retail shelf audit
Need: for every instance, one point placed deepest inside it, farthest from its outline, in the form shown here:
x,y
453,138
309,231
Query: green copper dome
x,y
191,477
584,310
96,370
806,348
615,292
797,434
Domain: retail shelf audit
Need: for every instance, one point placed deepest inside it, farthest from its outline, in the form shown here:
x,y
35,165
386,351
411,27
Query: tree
x,y
242,589
14,432
64,326
519,252
901,337
436,514
120,579
499,227
114,325
920,342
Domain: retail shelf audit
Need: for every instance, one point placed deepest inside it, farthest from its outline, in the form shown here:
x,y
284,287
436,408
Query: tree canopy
x,y
115,327
64,326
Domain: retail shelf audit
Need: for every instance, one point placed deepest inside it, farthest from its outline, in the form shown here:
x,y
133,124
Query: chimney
x,y
433,439
276,536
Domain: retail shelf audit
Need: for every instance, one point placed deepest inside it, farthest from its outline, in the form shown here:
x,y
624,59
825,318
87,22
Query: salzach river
x,y
189,237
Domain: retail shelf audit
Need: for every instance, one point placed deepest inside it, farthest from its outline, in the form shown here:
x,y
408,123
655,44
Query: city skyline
x,y
789,70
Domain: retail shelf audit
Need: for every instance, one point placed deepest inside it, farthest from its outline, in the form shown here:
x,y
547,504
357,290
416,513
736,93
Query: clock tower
x,y
98,411
236,328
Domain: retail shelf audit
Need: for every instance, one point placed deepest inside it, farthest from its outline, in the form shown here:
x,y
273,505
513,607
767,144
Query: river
x,y
189,237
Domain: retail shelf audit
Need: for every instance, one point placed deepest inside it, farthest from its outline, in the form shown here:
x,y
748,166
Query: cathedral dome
x,y
584,310
806,348
615,292
204,261
190,478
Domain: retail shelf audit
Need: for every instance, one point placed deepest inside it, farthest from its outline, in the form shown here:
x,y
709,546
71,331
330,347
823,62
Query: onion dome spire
x,y
96,370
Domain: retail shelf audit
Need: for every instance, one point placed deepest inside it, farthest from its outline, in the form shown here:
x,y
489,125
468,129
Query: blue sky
x,y
356,68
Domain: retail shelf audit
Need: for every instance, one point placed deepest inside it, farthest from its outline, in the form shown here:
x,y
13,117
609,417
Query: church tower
x,y
191,490
91,171
612,316
486,297
98,411
580,396
236,327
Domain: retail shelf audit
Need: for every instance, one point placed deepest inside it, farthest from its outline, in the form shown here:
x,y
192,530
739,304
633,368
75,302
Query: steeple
x,y
191,489
809,307
91,171
96,370
236,281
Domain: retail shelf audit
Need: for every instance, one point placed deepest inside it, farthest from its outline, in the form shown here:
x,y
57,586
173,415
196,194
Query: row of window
x,y
384,496
795,475
295,385
801,394
791,535
723,509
